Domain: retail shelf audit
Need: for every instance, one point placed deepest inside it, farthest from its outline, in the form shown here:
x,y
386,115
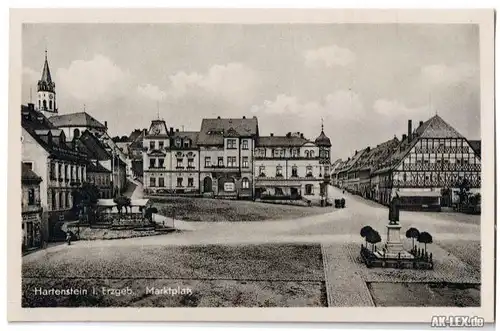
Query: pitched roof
x,y
377,155
213,130
436,127
45,83
81,119
191,135
135,134
323,140
281,141
96,167
352,161
95,149
40,128
476,146
29,175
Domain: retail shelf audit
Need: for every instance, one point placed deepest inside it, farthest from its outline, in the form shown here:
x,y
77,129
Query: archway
x,y
207,184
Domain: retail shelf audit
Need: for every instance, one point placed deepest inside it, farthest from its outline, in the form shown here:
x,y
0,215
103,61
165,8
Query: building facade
x,y
228,158
427,169
59,163
34,231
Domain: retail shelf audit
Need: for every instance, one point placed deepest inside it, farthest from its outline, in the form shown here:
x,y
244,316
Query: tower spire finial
x,y
158,109
45,53
322,124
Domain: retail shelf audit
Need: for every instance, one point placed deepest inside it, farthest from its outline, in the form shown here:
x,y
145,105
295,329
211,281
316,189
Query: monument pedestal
x,y
394,246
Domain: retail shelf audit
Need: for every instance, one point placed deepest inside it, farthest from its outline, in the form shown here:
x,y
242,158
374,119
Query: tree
x,y
413,234
425,238
122,202
373,238
85,200
365,231
149,213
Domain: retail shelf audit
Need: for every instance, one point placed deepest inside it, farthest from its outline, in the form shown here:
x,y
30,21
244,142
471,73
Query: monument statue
x,y
394,210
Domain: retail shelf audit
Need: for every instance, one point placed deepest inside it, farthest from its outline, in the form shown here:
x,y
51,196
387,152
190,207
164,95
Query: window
x,y
31,197
77,173
294,171
327,154
178,143
179,181
67,200
161,182
307,153
278,191
152,181
231,161
231,144
327,169
309,189
44,104
71,170
161,163
66,172
152,163
152,144
161,144
275,152
295,152
61,200
187,143
426,161
311,154
28,165
190,182
76,133
39,104
309,171
191,163
245,162
220,161
404,177
179,163
282,153
244,144
54,204
208,161
279,171
50,104
245,183
262,171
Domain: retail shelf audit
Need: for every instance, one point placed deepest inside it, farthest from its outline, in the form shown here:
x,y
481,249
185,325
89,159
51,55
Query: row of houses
x,y
229,158
426,168
59,153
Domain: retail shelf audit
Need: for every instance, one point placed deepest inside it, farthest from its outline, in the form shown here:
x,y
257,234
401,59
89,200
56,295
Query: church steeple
x,y
46,91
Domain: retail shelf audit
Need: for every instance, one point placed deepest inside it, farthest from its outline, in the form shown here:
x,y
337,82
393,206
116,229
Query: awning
x,y
277,184
106,203
419,194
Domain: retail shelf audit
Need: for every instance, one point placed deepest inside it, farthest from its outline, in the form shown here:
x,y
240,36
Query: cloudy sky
x,y
363,80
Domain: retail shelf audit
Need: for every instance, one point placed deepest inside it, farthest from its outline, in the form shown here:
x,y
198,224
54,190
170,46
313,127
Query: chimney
x,y
244,117
404,137
145,131
272,134
420,123
301,135
409,130
176,130
218,117
171,130
31,106
106,124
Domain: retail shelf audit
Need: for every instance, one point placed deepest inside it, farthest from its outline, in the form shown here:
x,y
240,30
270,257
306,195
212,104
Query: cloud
x,y
439,74
152,92
329,56
93,79
234,82
394,108
339,104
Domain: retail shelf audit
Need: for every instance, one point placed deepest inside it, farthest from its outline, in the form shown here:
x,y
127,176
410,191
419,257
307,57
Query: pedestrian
x,y
68,237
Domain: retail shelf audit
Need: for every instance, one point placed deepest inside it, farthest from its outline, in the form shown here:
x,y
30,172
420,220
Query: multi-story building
x,y
426,169
226,156
171,160
291,165
57,161
345,178
99,153
101,178
135,148
34,232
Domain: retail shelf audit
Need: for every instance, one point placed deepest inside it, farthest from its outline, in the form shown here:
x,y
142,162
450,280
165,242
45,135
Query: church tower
x,y
46,102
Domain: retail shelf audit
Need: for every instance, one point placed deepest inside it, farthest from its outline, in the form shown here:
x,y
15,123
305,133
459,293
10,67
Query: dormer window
x,y
187,143
178,143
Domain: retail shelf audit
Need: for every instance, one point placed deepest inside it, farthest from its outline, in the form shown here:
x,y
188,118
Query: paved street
x,y
338,233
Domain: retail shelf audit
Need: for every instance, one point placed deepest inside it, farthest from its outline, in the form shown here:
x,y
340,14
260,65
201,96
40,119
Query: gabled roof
x,y
96,167
82,119
213,130
94,147
436,127
281,141
33,121
135,134
45,83
377,155
476,146
191,135
352,161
